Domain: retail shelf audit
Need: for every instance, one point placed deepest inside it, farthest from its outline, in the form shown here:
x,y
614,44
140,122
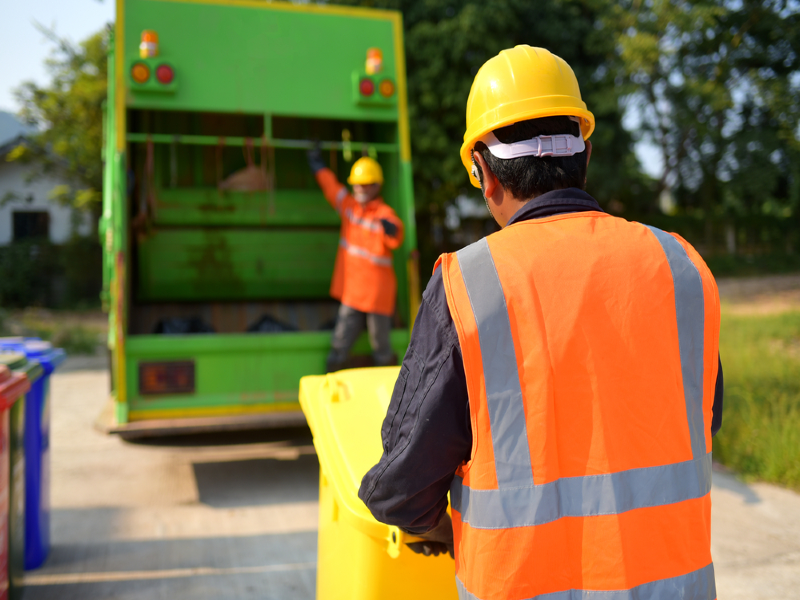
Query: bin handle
x,y
395,541
332,387
337,390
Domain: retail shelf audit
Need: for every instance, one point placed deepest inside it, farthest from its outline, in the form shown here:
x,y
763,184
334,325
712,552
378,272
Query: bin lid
x,y
13,360
17,361
345,411
35,348
12,386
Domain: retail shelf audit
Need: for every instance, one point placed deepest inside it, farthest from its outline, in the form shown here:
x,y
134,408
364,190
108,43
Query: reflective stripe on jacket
x,y
573,328
363,277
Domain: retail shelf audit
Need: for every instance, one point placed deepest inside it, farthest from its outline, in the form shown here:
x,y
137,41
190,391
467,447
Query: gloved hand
x,y
437,541
314,156
389,228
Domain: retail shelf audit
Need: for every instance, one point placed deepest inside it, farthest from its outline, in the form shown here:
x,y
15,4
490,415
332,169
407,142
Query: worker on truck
x,y
563,380
363,276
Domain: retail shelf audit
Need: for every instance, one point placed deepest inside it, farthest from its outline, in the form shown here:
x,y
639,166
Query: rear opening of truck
x,y
219,246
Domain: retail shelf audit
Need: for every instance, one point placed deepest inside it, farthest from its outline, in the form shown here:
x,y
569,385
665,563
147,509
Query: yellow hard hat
x,y
365,171
516,85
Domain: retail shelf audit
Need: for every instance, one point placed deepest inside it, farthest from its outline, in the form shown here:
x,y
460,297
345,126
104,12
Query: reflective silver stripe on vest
x,y
368,224
697,585
383,261
512,455
588,496
690,312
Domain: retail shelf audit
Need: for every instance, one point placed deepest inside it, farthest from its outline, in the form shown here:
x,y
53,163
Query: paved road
x,y
236,516
225,516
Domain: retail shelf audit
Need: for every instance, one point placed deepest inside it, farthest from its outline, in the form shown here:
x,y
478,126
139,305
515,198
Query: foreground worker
x,y
562,381
363,277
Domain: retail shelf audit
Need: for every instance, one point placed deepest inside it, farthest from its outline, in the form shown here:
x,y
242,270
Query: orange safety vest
x,y
590,348
363,277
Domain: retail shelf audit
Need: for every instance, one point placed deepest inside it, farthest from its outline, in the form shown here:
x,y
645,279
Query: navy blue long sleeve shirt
x,y
427,433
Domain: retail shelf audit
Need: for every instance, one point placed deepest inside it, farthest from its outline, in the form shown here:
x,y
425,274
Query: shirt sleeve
x,y
716,410
335,193
426,433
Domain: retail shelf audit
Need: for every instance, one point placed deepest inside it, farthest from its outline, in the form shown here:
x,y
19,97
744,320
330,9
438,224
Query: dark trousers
x,y
349,325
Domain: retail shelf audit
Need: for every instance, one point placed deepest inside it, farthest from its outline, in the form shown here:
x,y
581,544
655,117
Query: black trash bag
x,y
182,325
268,324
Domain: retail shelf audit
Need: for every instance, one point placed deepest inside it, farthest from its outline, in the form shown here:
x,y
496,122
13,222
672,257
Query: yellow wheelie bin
x,y
358,557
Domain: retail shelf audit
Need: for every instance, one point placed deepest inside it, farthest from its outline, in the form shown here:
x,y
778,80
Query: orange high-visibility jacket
x,y
363,277
575,331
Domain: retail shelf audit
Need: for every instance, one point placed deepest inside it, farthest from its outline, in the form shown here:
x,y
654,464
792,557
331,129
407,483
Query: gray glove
x,y
315,158
437,541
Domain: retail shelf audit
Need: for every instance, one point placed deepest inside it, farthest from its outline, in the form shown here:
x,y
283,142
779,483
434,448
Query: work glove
x,y
389,228
437,541
314,157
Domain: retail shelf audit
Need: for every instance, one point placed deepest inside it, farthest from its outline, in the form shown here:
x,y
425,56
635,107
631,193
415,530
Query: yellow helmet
x,y
365,171
516,85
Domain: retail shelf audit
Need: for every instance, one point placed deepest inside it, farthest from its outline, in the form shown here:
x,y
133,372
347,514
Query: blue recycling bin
x,y
37,446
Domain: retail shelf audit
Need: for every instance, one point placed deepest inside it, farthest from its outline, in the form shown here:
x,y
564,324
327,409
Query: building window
x,y
30,225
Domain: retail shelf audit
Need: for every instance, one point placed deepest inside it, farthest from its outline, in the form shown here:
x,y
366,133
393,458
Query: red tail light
x,y
165,74
173,377
366,87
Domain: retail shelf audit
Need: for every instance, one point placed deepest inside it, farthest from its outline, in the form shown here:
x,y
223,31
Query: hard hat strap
x,y
562,144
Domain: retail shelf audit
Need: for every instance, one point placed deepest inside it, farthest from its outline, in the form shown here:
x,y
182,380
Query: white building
x,y
26,210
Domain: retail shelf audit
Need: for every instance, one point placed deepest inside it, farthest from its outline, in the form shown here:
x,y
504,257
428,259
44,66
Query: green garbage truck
x,y
218,245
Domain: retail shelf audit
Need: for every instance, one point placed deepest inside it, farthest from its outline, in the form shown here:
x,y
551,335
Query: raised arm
x,y
335,193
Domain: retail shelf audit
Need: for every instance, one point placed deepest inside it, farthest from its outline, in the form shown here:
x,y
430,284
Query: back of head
x,y
518,95
526,177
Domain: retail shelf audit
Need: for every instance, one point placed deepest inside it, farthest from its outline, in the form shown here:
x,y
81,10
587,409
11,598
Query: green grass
x,y
760,435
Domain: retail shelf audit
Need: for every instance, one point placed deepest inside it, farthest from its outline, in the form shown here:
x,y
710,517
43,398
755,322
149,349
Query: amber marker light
x,y
165,74
386,88
140,73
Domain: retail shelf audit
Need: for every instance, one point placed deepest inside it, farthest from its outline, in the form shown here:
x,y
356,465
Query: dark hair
x,y
529,176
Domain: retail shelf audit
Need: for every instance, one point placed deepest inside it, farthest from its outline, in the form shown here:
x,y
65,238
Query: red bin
x,y
12,387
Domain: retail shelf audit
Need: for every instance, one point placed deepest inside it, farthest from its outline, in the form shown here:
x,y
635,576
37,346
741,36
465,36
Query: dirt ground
x,y
760,295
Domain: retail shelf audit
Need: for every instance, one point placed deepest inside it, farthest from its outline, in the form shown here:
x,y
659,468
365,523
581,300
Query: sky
x,y
24,48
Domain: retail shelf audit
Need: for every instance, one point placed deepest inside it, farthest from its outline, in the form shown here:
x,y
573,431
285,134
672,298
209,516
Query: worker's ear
x,y
490,181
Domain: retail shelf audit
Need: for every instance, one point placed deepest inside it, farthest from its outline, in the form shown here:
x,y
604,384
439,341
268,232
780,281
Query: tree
x,y
718,86
68,114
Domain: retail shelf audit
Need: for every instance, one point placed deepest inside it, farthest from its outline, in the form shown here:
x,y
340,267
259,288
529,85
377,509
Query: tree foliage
x,y
717,84
68,114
